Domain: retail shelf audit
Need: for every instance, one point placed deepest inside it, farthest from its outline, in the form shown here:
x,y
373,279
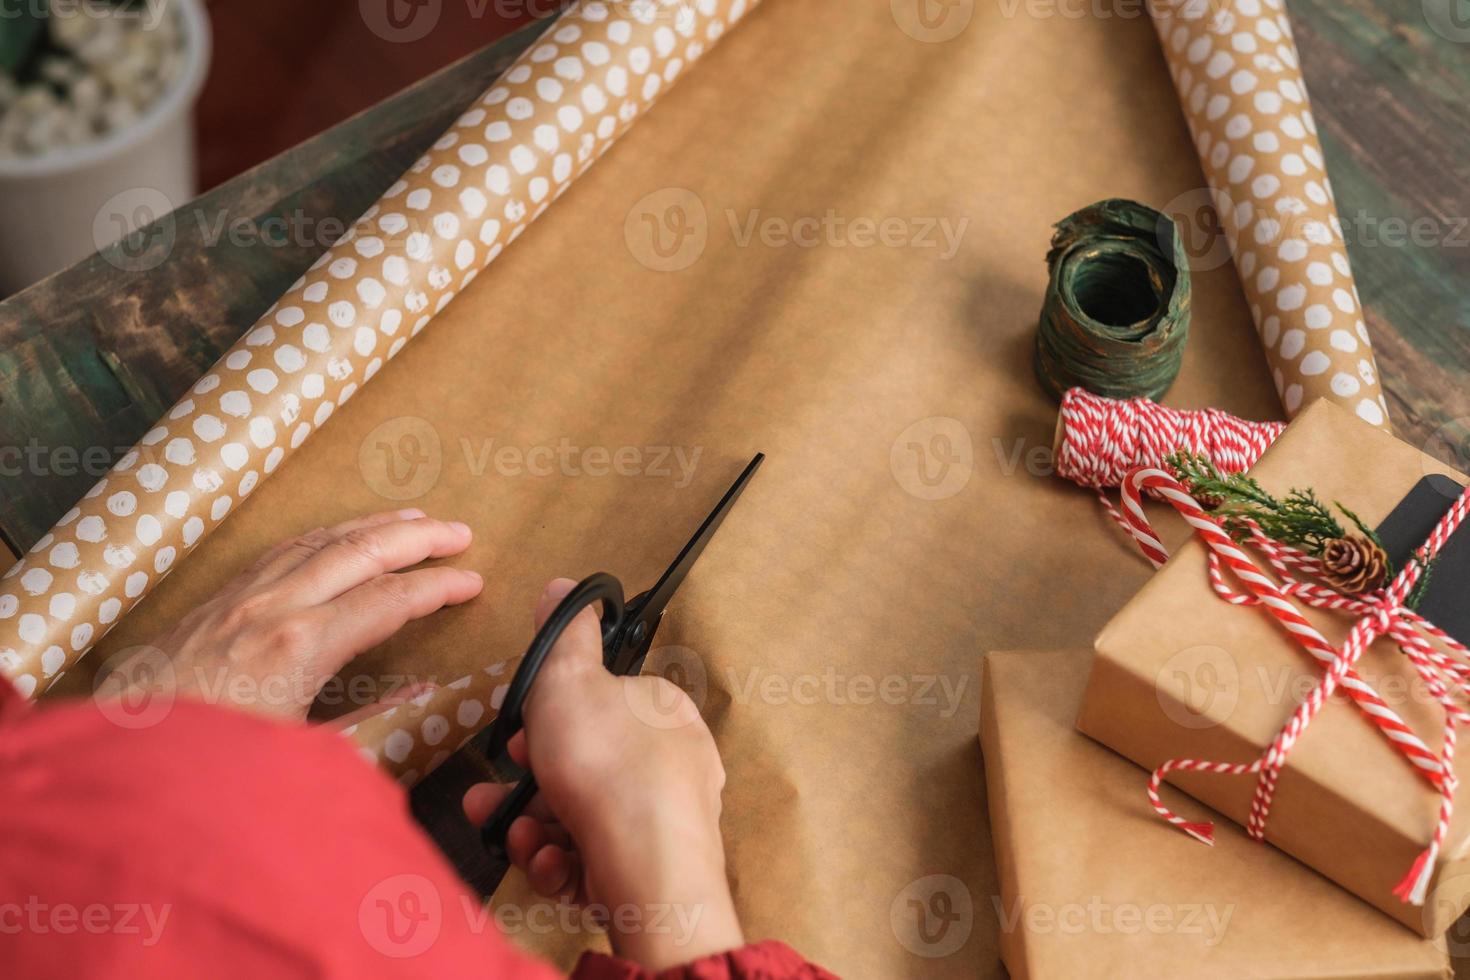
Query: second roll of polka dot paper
x,y
1235,66
513,152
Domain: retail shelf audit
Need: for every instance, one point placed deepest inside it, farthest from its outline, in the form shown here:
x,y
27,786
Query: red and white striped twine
x,y
1103,439
1123,443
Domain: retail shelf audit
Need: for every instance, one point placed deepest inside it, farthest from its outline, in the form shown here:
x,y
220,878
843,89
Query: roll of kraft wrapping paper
x,y
1239,80
553,113
413,739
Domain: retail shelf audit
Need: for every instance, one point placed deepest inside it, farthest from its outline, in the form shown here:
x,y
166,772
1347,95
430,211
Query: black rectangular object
x,y
1447,603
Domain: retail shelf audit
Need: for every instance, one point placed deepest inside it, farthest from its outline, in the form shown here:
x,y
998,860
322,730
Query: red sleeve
x,y
759,961
173,839
181,840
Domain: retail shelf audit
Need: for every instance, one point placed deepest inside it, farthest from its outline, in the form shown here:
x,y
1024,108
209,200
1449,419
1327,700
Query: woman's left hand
x,y
272,638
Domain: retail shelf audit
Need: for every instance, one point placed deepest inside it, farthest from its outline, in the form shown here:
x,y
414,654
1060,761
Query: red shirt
x,y
212,842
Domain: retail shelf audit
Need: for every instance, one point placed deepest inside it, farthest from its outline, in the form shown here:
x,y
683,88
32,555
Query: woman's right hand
x,y
629,811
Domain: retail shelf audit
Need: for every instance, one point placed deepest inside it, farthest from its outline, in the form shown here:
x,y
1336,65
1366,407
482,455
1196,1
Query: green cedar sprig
x,y
1299,519
1421,587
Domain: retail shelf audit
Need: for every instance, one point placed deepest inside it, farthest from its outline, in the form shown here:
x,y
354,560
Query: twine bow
x,y
1380,613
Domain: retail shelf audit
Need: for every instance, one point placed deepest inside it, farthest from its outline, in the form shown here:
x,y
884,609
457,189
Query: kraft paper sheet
x,y
825,245
1087,892
1239,79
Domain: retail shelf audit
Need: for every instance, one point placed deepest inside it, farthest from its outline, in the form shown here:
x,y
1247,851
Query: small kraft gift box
x,y
1087,890
1213,677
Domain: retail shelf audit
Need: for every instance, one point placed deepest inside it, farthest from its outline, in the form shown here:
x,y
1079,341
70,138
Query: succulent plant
x,y
74,70
22,37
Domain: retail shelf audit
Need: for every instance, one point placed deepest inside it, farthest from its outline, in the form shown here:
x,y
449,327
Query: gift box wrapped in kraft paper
x,y
1181,673
1084,894
825,243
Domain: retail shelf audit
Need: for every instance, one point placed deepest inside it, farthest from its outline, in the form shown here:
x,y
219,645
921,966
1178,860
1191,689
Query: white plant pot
x,y
57,209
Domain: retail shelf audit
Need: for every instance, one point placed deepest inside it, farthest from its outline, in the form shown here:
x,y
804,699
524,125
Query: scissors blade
x,y
644,612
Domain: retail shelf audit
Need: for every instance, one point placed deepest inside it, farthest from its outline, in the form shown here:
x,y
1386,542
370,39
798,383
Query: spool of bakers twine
x,y
1116,313
1100,440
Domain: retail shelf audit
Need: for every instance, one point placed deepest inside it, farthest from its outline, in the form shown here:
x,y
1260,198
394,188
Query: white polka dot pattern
x,y
413,739
513,152
1235,67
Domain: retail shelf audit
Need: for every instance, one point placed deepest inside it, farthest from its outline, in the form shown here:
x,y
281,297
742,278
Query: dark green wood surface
x,y
91,357
1391,94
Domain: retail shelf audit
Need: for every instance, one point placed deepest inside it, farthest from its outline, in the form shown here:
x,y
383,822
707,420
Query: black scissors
x,y
627,635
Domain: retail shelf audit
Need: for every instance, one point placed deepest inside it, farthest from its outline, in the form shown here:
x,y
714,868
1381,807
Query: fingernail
x,y
476,576
411,514
558,588
460,528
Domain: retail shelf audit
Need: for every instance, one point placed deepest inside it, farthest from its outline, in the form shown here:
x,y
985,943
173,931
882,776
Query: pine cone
x,y
1354,564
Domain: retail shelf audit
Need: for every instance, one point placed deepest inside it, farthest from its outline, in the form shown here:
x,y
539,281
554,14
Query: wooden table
x,y
92,357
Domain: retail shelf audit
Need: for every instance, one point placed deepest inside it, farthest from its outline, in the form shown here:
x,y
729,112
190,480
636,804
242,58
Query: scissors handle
x,y
497,829
595,588
627,634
